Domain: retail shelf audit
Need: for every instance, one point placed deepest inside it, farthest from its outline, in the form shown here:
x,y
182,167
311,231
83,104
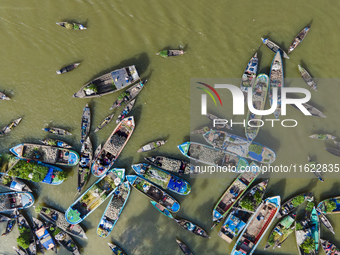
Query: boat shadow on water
x,y
276,188
330,192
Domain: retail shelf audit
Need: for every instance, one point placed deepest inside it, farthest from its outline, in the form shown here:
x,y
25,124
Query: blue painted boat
x,y
10,201
43,235
162,178
162,209
113,210
95,196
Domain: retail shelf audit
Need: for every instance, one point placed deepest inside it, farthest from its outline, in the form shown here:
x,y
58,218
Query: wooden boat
x,y
116,249
57,131
113,210
172,165
113,147
123,114
329,248
312,165
128,94
170,53
162,178
3,96
330,205
257,226
337,144
151,146
58,219
290,205
217,124
276,81
4,218
307,78
68,68
185,249
10,223
43,235
153,192
19,251
97,151
260,90
95,196
105,121
63,239
73,26
274,47
162,209
325,221
10,126
239,146
281,231
191,227
57,143
249,75
234,193
15,200
298,38
13,183
109,83
333,151
314,111
85,123
323,137
46,154
85,162
25,231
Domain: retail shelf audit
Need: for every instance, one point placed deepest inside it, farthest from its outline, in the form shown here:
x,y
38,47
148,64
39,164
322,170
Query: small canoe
x,y
329,248
113,210
312,165
325,221
191,227
19,251
71,26
307,78
3,96
68,68
95,196
11,223
26,230
57,131
85,123
290,205
4,218
42,234
86,154
16,200
329,206
314,111
162,178
63,239
276,81
123,114
172,165
298,38
333,151
217,124
323,137
105,121
249,75
162,209
274,47
116,249
151,146
153,192
113,147
337,144
128,94
13,183
10,127
57,143
170,53
58,219
109,83
185,249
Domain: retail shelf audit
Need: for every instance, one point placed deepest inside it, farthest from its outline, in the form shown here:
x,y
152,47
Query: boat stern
x,y
17,150
175,207
184,148
72,216
139,168
73,158
131,179
120,173
27,199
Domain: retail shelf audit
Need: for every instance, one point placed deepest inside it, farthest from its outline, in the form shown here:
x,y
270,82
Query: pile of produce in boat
x,y
162,209
86,153
324,220
113,147
314,111
73,26
276,81
43,235
26,239
329,248
10,126
10,201
330,205
162,178
185,249
3,96
13,183
57,131
85,123
116,249
95,196
334,151
322,137
217,124
249,75
191,227
172,165
170,53
10,223
299,38
274,47
293,203
307,78
125,111
105,121
151,146
68,68
57,143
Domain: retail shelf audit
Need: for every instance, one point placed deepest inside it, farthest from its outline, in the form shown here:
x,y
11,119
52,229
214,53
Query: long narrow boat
x,y
86,155
10,126
185,249
329,248
43,235
95,196
290,205
63,239
3,96
216,123
307,78
19,251
109,83
4,218
13,183
113,210
85,123
274,47
276,81
123,114
298,38
57,131
57,143
334,151
330,205
239,146
170,53
72,26
162,209
151,146
325,221
104,122
314,111
10,224
128,94
234,193
15,200
58,219
192,227
25,231
171,164
153,192
113,147
116,249
68,68
281,231
312,165
46,154
162,178
260,90
249,75
323,137
212,156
